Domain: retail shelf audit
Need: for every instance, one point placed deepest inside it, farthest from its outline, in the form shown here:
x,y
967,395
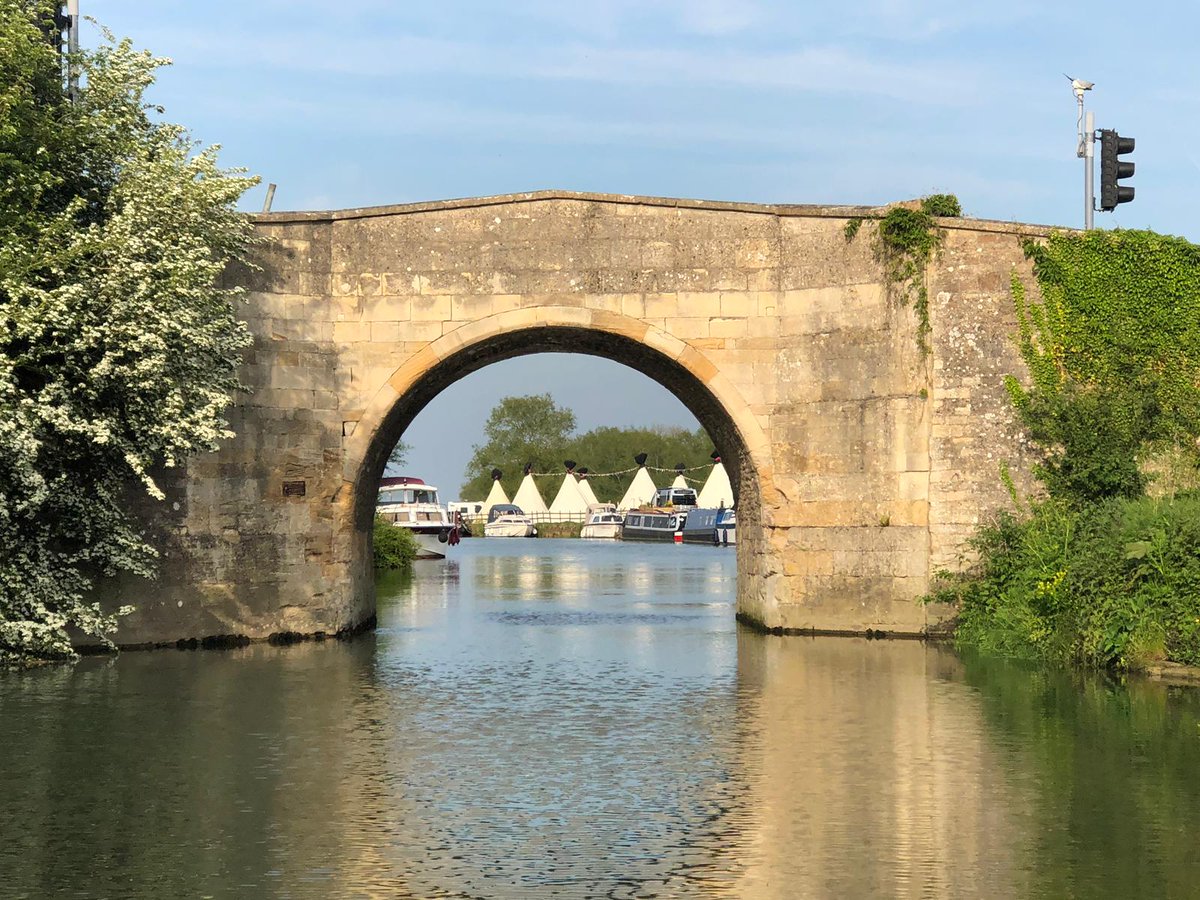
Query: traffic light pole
x,y
72,50
1089,195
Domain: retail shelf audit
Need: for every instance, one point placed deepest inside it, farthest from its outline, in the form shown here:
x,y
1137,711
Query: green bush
x,y
941,205
395,548
1113,584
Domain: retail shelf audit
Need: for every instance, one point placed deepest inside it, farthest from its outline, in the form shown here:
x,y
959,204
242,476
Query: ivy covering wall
x,y
1096,570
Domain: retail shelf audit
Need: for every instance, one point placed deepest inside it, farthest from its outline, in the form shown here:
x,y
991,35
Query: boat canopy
x,y
504,509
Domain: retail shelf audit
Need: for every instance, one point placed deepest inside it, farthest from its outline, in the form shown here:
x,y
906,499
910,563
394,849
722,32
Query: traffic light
x,y
1112,145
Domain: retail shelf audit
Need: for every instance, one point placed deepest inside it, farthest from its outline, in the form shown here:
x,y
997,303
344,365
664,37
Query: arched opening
x,y
679,368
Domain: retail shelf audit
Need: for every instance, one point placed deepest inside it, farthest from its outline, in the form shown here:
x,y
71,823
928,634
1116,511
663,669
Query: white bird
x,y
1078,85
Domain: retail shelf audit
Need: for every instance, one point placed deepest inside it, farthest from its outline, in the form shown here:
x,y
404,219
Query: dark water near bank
x,y
557,718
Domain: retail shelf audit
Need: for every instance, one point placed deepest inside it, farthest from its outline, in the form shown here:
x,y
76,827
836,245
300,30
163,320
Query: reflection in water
x,y
556,718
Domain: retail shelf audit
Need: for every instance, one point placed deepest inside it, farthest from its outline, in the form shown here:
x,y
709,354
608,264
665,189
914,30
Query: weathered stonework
x,y
861,464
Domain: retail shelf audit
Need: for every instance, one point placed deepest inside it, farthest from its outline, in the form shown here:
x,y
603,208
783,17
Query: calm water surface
x,y
559,718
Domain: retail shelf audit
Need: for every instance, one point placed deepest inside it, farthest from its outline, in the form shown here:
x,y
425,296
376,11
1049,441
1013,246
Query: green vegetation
x,y
1098,571
395,548
905,241
1114,583
535,429
118,350
560,529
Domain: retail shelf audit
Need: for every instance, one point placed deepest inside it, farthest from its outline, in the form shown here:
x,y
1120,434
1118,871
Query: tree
x,y
399,455
612,450
534,429
531,428
118,349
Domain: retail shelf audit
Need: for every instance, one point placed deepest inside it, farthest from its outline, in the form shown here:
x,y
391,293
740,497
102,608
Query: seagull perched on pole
x,y
1078,85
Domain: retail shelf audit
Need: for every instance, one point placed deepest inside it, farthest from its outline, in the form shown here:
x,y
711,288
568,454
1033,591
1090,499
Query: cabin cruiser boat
x,y
411,503
508,520
710,526
675,497
603,521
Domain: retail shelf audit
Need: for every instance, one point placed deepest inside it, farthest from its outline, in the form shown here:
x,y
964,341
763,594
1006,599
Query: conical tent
x,y
679,481
528,497
717,490
640,492
496,494
568,501
585,489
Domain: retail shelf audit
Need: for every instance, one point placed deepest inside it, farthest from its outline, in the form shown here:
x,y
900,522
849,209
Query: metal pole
x,y
1089,197
72,49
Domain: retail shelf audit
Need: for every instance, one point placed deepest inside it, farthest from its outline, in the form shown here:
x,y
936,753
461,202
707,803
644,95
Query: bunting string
x,y
591,474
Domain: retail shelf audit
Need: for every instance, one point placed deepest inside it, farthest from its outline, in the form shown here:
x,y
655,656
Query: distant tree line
x,y
534,429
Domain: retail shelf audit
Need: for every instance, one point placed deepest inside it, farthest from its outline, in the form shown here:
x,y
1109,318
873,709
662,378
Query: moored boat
x,y
603,522
710,526
411,503
508,520
677,498
653,524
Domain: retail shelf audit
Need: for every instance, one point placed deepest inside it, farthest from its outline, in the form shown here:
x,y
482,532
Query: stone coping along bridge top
x,y
797,210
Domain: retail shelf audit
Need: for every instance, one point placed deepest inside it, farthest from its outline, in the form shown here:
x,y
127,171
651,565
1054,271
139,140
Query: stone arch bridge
x,y
861,463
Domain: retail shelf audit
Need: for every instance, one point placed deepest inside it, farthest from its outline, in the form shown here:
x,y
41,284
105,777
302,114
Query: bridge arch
x,y
673,363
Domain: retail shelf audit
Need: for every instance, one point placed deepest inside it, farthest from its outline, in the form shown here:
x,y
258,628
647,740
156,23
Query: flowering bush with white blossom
x,y
118,346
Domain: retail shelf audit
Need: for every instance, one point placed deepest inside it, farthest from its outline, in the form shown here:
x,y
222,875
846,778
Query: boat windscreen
x,y
408,495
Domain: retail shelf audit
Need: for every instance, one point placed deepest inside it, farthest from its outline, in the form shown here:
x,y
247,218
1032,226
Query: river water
x,y
554,718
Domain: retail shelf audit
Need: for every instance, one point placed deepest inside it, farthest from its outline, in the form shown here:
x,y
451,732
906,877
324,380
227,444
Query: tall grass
x,y
1113,584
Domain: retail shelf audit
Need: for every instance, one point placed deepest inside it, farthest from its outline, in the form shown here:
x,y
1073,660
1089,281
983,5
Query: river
x,y
556,718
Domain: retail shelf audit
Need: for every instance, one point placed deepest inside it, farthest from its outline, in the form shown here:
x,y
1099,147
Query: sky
x,y
345,104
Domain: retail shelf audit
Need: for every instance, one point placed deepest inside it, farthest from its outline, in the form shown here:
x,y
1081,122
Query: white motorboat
x,y
508,520
411,503
603,522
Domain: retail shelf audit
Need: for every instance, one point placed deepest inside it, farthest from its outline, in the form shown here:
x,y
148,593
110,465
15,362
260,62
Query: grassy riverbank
x,y
1109,584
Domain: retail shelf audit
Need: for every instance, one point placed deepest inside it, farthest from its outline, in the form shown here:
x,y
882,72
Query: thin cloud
x,y
831,70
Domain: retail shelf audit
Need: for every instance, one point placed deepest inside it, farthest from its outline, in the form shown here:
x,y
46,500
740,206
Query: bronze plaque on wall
x,y
293,489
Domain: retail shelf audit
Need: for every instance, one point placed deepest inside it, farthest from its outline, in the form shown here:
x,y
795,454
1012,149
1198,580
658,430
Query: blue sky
x,y
356,104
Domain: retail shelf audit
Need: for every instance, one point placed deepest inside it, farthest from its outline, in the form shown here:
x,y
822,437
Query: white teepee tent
x,y
641,489
528,497
717,490
496,494
680,481
585,489
568,501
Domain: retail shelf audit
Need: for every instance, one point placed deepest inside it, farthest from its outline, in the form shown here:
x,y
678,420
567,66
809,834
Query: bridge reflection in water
x,y
559,718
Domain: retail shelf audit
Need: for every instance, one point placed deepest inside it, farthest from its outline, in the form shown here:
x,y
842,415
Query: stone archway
x,y
680,368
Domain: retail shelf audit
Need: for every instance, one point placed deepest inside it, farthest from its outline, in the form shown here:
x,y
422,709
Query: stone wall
x,y
861,463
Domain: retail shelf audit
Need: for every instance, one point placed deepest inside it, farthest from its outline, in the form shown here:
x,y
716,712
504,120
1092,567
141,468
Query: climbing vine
x,y
905,241
1098,572
1113,352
